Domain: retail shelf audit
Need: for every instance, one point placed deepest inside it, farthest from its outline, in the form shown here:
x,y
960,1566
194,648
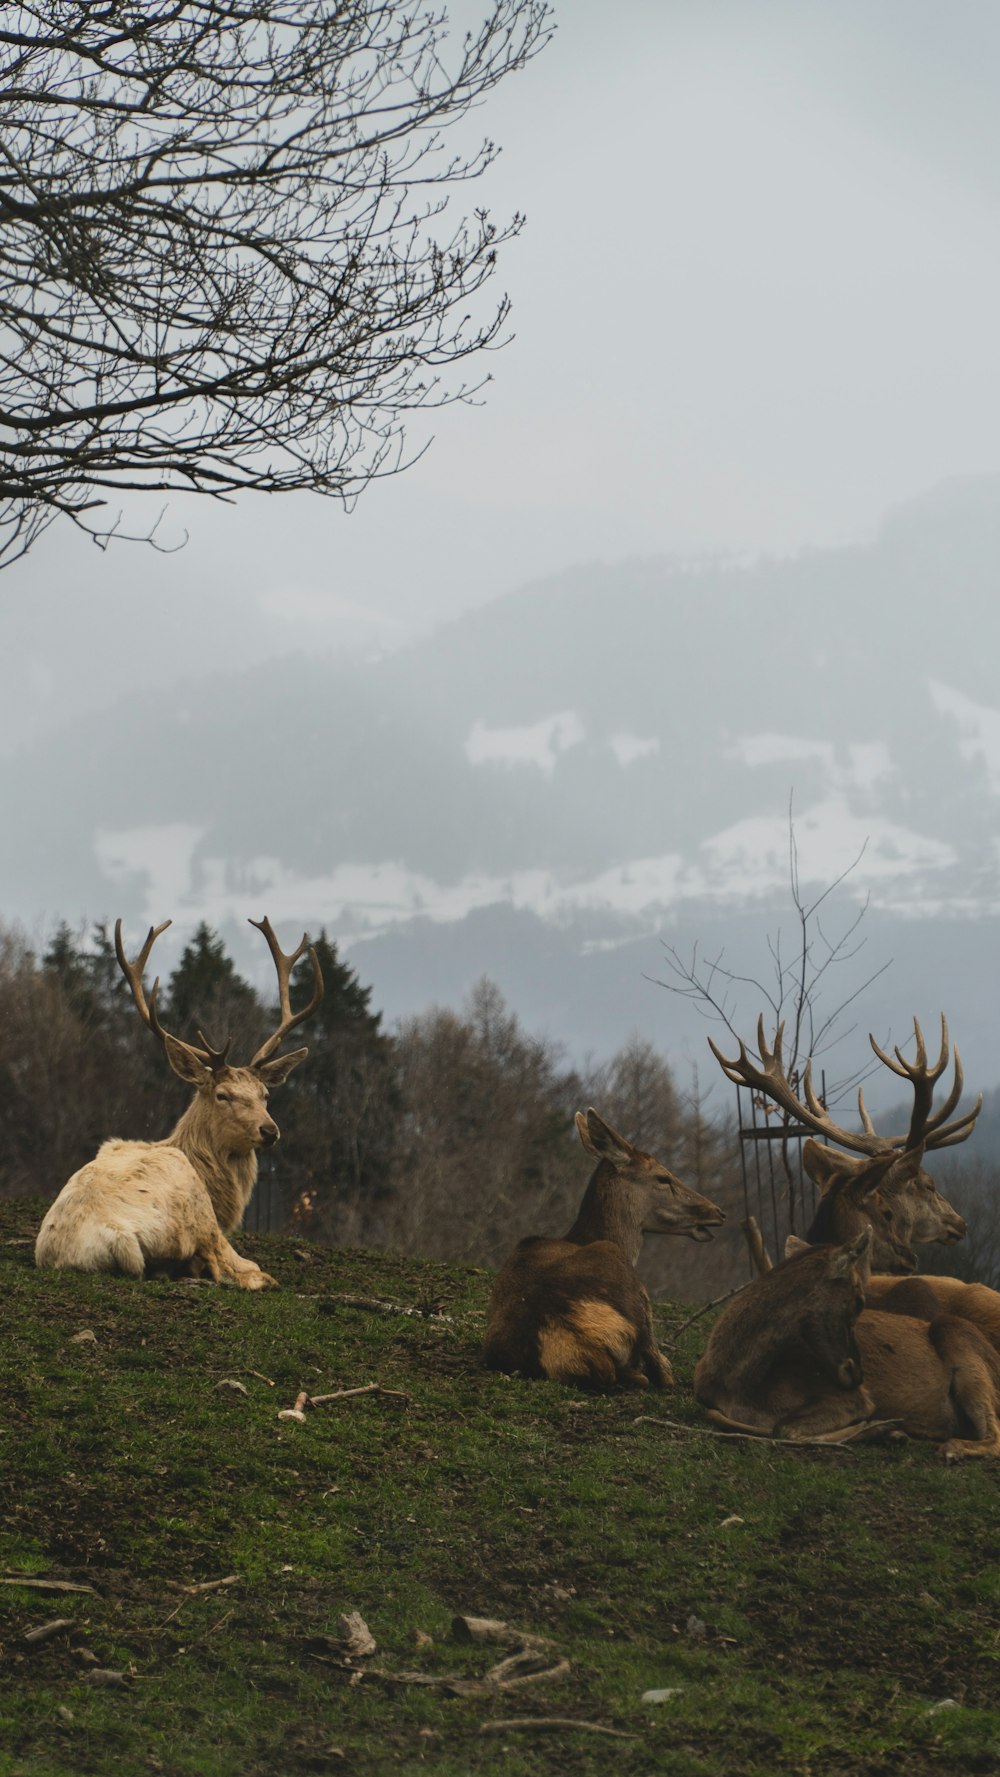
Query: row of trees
x,y
451,1136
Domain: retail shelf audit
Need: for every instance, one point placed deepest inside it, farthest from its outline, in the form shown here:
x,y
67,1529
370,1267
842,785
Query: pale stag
x,y
881,1181
573,1310
141,1205
797,1355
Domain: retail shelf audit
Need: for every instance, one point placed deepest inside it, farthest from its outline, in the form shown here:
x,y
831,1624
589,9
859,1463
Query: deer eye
x,y
224,1097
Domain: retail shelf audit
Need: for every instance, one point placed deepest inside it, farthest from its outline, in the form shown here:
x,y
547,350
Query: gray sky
x,y
755,305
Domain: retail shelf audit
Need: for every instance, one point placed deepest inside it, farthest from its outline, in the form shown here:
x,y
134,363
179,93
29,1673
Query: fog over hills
x,y
547,788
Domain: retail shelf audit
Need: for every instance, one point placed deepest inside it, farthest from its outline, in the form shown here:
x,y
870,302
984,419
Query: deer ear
x,y
276,1072
185,1062
906,1167
794,1245
584,1133
854,1253
604,1142
822,1164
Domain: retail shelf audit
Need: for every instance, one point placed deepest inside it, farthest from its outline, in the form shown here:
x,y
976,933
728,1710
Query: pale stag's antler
x,y
771,1079
133,973
925,1130
284,966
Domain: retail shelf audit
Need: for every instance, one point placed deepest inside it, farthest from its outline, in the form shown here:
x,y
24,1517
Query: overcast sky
x,y
755,305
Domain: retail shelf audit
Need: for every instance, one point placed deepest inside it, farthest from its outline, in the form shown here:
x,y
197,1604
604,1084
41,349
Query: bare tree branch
x,y
221,265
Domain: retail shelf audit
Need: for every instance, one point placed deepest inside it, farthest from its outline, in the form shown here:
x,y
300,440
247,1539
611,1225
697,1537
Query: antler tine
x,y
216,1057
941,1133
284,964
133,973
923,1078
864,1113
770,1078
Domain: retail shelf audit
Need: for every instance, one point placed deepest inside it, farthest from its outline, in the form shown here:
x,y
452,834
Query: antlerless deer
x,y
139,1204
796,1354
573,1310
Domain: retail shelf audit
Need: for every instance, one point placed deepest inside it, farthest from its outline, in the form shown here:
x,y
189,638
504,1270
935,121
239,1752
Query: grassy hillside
x,y
810,1611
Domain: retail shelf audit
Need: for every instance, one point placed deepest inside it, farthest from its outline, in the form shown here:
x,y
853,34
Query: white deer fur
x,y
138,1205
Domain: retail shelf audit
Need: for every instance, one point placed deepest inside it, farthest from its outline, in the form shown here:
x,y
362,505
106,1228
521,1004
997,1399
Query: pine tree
x,y
341,1109
206,993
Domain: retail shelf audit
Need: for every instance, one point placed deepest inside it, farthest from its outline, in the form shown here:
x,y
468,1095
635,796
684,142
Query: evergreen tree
x,y
206,993
341,1108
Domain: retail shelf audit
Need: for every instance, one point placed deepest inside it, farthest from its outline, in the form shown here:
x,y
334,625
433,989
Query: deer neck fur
x,y
228,1178
611,1210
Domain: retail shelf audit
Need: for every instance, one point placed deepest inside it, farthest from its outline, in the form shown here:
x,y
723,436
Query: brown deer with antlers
x,y
141,1205
797,1354
881,1181
573,1310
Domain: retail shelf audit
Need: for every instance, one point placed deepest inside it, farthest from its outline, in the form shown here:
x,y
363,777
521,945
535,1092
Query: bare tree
x,y
220,259
805,995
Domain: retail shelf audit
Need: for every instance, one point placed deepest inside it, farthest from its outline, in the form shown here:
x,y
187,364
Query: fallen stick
x,y
704,1309
491,1629
736,1437
513,1674
43,1585
343,1394
550,1724
377,1305
230,1579
455,1684
45,1631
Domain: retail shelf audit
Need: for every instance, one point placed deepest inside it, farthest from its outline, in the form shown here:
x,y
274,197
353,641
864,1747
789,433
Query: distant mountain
x,y
548,788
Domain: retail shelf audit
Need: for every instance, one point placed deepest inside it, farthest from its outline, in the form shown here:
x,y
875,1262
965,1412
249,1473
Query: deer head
x,y
914,1209
642,1187
820,1291
232,1101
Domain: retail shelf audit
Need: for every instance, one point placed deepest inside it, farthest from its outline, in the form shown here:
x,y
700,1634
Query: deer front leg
x,y
224,1265
656,1370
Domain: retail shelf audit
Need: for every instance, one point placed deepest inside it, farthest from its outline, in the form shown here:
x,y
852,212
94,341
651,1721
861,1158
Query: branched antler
x,y
284,966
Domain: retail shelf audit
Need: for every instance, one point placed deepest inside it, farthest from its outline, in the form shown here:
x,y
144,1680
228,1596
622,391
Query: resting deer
x,y
881,1180
573,1310
139,1205
797,1354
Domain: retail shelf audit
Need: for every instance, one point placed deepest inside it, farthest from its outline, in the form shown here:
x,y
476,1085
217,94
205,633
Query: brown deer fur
x,y
573,1310
139,1206
924,1298
797,1355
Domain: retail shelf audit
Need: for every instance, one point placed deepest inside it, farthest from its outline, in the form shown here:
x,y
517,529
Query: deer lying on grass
x,y
573,1310
924,1298
138,1204
798,1355
881,1180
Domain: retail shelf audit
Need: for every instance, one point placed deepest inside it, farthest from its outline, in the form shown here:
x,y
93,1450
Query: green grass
x,y
860,1589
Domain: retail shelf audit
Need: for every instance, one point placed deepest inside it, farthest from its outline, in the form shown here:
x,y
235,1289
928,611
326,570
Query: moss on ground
x,y
815,1612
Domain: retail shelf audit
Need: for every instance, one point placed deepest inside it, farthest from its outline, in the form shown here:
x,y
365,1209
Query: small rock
x,y
695,1628
86,1336
65,1715
422,1638
663,1696
945,1703
104,1675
